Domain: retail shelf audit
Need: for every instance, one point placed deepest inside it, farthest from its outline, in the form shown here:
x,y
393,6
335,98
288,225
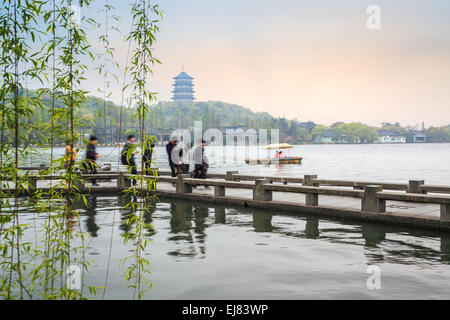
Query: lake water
x,y
373,162
203,252
199,251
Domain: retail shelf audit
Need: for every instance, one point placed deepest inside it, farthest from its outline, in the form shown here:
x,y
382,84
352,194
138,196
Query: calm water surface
x,y
203,252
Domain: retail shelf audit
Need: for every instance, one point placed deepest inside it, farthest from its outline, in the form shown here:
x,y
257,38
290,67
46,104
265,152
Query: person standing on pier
x,y
91,157
147,156
183,163
200,161
169,148
128,156
180,156
71,155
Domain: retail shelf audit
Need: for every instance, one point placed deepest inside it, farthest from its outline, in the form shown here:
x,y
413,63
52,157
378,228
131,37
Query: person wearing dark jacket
x,y
91,157
147,156
169,148
128,156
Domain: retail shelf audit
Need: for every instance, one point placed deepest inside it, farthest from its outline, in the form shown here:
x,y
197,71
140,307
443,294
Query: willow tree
x,y
68,74
30,52
43,41
143,36
18,30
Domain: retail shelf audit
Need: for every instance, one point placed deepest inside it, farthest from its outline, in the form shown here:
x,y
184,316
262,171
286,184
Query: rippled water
x,y
374,162
203,252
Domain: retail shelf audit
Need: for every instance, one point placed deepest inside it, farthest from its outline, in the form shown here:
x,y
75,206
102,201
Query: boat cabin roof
x,y
279,146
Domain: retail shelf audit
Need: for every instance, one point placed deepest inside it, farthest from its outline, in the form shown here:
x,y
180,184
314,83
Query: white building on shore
x,y
390,137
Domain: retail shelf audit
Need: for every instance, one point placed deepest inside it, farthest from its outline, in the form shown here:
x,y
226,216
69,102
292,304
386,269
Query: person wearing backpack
x,y
169,148
91,157
147,156
128,157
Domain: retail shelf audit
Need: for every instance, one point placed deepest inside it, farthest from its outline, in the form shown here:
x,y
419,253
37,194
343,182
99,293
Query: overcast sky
x,y
306,59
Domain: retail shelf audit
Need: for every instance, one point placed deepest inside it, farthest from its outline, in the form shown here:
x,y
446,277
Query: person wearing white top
x,y
200,161
183,159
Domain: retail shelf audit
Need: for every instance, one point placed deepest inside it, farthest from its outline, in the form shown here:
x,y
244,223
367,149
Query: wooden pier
x,y
413,204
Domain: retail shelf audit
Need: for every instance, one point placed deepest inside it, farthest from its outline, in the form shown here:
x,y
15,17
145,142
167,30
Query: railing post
x,y
308,180
122,181
183,187
41,167
311,199
219,213
119,180
445,212
414,186
357,186
33,183
229,176
219,191
78,181
259,193
370,202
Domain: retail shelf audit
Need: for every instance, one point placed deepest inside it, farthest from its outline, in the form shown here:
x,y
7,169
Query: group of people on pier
x,y
179,157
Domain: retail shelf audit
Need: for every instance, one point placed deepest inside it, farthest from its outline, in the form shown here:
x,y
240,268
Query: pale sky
x,y
306,59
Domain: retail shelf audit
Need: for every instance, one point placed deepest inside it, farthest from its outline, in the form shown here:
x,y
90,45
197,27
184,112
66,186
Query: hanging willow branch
x,y
18,21
143,35
20,29
40,42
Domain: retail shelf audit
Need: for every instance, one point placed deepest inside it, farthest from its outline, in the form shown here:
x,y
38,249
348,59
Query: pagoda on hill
x,y
183,88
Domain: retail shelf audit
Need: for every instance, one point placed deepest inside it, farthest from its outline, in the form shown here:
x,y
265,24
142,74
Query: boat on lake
x,y
277,158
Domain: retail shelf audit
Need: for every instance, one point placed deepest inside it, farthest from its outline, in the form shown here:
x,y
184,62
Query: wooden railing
x,y
373,198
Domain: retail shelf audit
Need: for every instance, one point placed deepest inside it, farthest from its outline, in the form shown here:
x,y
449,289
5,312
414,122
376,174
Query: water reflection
x,y
381,243
91,225
262,221
180,221
189,222
373,235
149,209
180,229
219,214
445,247
128,208
312,228
201,213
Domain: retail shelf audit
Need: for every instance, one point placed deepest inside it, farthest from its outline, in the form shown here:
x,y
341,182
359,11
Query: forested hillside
x,y
102,118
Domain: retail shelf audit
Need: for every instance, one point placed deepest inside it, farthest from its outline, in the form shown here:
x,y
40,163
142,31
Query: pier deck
x,y
414,209
415,204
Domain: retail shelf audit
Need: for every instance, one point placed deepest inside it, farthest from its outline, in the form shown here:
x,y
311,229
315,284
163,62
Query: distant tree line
x,y
357,132
166,116
434,134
